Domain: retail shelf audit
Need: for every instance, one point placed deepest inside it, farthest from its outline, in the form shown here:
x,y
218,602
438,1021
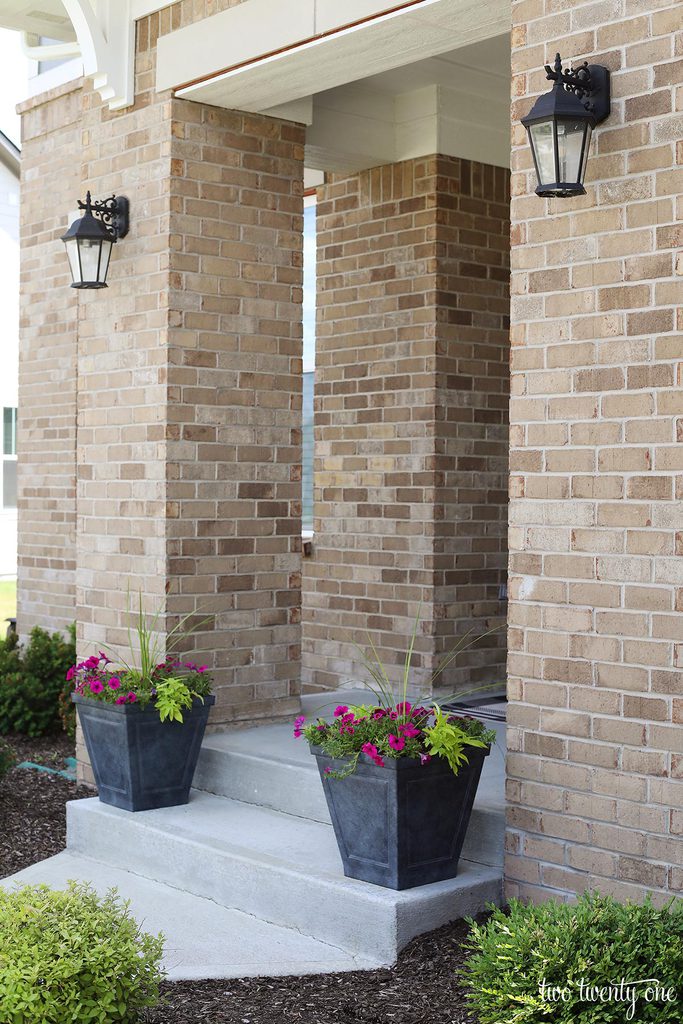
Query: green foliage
x,y
32,680
7,758
173,695
446,738
597,941
73,957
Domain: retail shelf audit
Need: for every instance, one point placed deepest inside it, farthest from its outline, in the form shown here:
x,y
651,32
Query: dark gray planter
x,y
402,825
140,762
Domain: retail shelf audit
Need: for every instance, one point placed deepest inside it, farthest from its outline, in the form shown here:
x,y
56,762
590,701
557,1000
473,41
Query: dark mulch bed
x,y
32,811
422,988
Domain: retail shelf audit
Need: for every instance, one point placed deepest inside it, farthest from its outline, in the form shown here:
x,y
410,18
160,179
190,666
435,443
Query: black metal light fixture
x,y
560,124
89,240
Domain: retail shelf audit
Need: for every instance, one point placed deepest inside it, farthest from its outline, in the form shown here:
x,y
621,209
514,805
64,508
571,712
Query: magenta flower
x,y
340,710
114,683
328,771
378,714
408,730
132,697
425,758
96,686
71,673
371,750
403,709
396,742
121,700
393,715
202,668
298,722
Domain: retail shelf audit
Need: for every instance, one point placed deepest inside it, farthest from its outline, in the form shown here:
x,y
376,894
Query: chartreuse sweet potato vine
x,y
73,957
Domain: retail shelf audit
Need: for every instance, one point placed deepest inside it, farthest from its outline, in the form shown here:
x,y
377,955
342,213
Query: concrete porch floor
x,y
246,879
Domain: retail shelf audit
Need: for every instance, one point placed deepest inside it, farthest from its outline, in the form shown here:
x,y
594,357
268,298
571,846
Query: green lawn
x,y
8,602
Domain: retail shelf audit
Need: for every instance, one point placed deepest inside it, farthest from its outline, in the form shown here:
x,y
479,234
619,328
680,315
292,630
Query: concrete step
x,y
266,766
282,869
203,939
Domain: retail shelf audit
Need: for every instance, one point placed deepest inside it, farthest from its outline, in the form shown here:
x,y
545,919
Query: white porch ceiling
x,y
229,61
41,17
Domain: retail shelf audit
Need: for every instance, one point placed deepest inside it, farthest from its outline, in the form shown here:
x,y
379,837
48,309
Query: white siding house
x,y
9,349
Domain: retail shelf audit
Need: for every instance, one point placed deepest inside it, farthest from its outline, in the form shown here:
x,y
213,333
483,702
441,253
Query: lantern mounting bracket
x,y
114,212
590,83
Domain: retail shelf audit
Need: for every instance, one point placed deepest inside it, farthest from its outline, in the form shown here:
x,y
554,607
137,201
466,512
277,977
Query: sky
x,y
13,82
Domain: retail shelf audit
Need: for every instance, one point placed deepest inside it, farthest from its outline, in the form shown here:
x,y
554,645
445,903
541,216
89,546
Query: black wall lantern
x,y
560,125
89,240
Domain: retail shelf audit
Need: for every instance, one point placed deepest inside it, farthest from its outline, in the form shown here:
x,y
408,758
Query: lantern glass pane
x,y
542,142
586,147
104,262
90,259
570,136
74,265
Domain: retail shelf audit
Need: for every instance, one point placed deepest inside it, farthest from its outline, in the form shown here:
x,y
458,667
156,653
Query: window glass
x,y
9,446
9,483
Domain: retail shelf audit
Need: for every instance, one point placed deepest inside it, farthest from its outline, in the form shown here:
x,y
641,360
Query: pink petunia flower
x,y
378,714
403,709
371,750
425,758
132,697
408,730
340,710
328,771
71,673
114,683
96,686
202,668
298,722
396,742
121,700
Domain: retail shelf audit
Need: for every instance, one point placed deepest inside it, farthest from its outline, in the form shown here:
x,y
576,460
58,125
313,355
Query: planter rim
x,y
398,764
136,709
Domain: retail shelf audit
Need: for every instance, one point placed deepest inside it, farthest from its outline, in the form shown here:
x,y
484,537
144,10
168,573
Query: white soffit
x,y
259,54
46,18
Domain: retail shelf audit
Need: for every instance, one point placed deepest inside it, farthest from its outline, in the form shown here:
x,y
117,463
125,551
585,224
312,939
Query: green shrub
x,y
74,957
7,758
528,965
31,681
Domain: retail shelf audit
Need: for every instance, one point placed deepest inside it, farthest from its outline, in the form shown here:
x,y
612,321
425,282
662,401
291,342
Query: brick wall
x,y
183,379
411,438
46,434
190,372
596,634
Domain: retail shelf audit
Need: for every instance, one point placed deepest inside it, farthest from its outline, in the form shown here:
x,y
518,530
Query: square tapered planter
x,y
403,824
140,762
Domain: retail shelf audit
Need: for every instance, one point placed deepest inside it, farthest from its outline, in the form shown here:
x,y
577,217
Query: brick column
x,y
46,435
190,393
596,763
411,413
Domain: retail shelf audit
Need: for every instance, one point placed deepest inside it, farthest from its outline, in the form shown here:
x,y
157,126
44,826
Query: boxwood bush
x,y
73,957
528,965
7,758
32,682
